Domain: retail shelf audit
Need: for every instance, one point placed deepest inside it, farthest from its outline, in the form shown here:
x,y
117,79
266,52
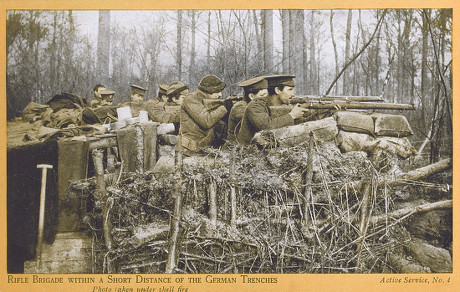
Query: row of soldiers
x,y
227,121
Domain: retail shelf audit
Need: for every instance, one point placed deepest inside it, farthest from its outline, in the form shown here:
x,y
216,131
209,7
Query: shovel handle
x,y
41,217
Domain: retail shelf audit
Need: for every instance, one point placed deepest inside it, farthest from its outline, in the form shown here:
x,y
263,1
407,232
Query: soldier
x,y
197,121
280,87
257,115
96,101
104,112
136,102
175,94
253,87
162,89
137,93
107,97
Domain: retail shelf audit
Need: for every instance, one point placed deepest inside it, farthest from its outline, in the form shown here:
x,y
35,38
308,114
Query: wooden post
x,y
233,189
308,181
140,148
171,261
98,155
213,202
364,219
111,160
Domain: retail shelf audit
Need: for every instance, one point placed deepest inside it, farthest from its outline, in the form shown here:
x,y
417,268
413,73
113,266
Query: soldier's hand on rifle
x,y
297,112
337,107
228,103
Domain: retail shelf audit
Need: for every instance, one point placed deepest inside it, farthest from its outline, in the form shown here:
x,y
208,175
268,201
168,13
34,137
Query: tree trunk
x,y
336,56
53,56
258,38
191,71
103,46
299,49
267,28
291,40
208,48
376,67
179,45
285,27
347,50
313,74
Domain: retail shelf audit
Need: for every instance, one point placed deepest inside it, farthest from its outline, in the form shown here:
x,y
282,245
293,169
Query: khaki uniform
x,y
94,103
257,117
235,117
158,113
197,122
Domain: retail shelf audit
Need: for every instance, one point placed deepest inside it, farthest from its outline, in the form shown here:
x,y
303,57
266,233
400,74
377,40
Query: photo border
x,y
285,282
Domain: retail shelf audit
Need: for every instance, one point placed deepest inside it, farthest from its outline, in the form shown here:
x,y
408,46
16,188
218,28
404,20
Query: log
x,y
213,203
171,262
364,218
233,217
415,209
102,142
428,170
146,233
308,180
417,174
379,219
437,259
401,265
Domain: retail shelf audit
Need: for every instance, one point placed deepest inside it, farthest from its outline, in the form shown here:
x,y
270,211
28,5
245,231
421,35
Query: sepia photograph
x,y
233,146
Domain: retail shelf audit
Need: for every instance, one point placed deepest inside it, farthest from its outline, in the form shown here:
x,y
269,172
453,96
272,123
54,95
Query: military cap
x,y
134,86
175,88
162,89
211,84
254,83
280,80
107,94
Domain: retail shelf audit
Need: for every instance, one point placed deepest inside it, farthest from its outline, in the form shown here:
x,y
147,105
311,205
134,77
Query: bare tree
x,y
357,54
103,46
347,49
267,29
313,78
179,45
285,15
192,49
336,56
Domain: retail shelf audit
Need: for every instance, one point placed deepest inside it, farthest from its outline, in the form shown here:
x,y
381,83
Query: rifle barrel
x,y
358,105
316,98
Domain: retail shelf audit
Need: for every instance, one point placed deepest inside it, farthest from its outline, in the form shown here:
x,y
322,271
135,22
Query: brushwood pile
x,y
279,228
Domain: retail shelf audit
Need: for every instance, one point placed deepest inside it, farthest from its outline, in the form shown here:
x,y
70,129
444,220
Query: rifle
x,y
356,105
214,103
316,98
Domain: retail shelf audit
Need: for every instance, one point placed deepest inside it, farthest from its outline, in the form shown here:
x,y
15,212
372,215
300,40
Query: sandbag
x,y
402,147
323,130
350,141
355,122
391,125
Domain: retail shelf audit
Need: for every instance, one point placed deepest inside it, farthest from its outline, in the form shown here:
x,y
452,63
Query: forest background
x,y
403,55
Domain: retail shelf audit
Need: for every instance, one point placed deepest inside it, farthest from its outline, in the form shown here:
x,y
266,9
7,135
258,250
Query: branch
x,y
358,54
